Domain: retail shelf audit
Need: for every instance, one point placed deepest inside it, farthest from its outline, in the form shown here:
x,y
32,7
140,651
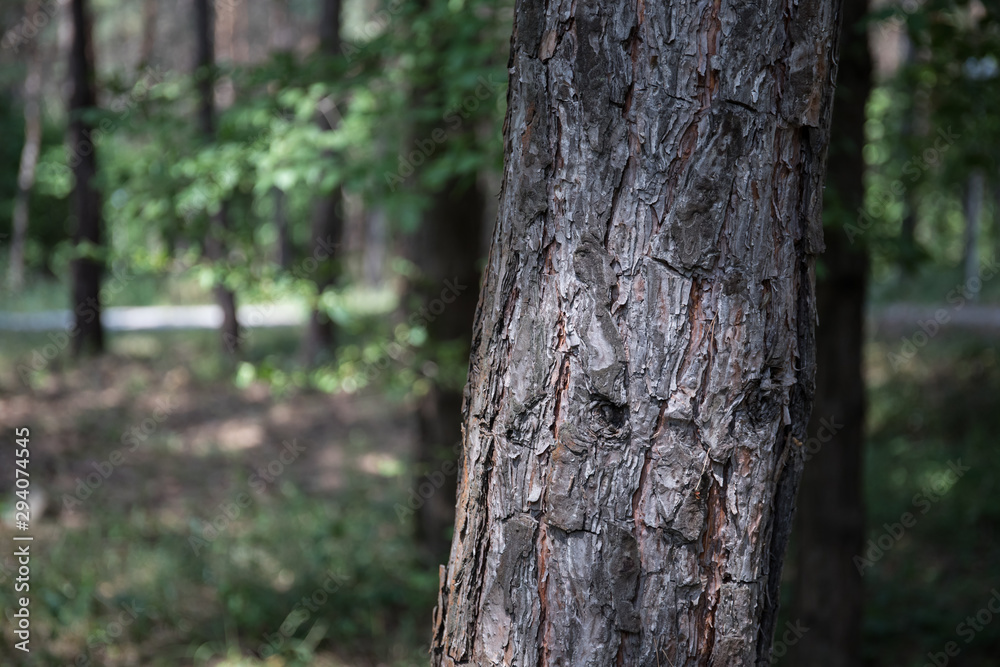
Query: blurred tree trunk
x,y
149,13
29,156
908,230
215,238
282,40
446,251
281,33
830,520
284,231
327,233
642,359
87,269
375,250
996,218
973,210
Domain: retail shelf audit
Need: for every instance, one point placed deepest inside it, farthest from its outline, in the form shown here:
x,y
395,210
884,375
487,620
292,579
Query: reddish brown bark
x,y
643,355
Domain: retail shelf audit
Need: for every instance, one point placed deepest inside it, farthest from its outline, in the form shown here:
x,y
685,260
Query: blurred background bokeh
x,y
246,454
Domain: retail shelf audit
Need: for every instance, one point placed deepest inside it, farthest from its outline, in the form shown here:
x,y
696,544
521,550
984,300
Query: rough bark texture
x,y
830,519
214,239
328,218
643,355
447,253
87,270
29,157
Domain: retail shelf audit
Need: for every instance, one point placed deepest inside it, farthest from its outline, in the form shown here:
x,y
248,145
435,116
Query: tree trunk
x,y
87,269
281,33
375,250
281,222
447,252
29,158
909,253
328,218
149,14
973,210
996,218
643,357
215,238
830,519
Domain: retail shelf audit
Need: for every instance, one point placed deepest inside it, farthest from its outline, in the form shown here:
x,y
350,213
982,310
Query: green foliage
x,y
929,126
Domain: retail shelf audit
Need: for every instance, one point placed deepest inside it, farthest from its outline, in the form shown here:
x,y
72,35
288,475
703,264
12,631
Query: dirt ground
x,y
133,433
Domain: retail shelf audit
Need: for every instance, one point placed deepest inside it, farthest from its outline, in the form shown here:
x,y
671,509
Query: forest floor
x,y
212,510
179,551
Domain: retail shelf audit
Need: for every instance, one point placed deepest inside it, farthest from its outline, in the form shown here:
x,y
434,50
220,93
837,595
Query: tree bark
x,y
29,158
219,224
643,355
87,269
830,519
328,218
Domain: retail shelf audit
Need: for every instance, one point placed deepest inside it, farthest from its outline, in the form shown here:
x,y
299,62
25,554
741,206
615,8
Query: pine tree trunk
x,y
29,158
214,240
643,356
830,519
328,218
87,270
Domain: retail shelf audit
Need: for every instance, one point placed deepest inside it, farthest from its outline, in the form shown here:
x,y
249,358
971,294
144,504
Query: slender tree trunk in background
x,y
996,219
224,29
908,230
87,271
29,158
281,33
149,13
281,41
830,520
973,210
643,357
327,232
446,251
214,239
284,230
375,251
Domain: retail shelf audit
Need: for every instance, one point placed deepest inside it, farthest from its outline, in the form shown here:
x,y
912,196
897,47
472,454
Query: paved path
x,y
897,316
160,318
